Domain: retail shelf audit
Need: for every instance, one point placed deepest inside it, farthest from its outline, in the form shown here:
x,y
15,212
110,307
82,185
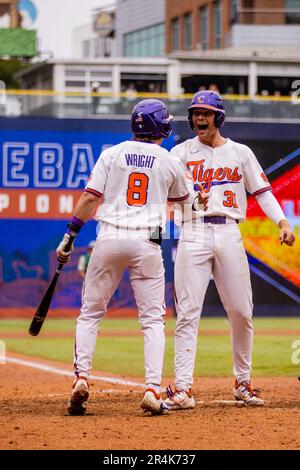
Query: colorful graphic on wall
x,y
260,235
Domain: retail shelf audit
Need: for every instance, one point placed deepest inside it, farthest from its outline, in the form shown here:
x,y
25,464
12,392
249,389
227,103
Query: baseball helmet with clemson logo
x,y
210,100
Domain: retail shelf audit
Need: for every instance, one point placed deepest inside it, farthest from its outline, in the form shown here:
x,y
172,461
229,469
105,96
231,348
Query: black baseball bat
x,y
42,310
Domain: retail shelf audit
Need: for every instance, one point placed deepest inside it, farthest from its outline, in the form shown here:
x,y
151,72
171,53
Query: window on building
x,y
147,42
108,47
188,30
74,73
74,84
86,48
204,27
218,24
98,47
235,9
292,11
175,34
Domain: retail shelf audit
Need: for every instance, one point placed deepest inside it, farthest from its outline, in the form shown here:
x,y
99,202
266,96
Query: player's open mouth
x,y
202,127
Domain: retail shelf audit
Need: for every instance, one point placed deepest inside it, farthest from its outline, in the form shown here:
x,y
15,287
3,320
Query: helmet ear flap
x,y
219,119
190,119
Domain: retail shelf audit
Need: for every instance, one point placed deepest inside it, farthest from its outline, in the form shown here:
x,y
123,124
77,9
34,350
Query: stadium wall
x,y
45,163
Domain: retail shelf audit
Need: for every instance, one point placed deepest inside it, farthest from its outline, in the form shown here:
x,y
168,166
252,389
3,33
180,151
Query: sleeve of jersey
x,y
270,206
182,189
97,180
255,180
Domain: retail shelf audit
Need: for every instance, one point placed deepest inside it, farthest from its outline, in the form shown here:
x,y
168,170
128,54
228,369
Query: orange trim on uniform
x,y
175,199
263,190
93,191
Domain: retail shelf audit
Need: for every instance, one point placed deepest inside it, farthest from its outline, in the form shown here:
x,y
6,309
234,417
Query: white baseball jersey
x,y
226,173
136,179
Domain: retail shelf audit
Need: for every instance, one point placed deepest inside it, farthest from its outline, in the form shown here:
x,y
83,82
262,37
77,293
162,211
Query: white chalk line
x,y
113,380
91,392
64,372
223,402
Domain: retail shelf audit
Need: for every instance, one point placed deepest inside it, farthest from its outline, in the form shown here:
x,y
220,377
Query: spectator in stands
x,y
130,98
277,93
131,92
214,87
152,88
84,260
95,98
264,92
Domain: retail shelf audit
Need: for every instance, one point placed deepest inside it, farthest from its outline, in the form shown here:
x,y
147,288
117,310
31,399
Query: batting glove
x,y
63,256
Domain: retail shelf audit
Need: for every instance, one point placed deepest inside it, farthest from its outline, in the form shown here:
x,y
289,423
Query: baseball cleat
x,y
244,392
153,402
180,399
79,397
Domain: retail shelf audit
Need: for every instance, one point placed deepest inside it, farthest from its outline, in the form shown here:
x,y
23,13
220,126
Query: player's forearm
x,y
86,206
271,207
84,210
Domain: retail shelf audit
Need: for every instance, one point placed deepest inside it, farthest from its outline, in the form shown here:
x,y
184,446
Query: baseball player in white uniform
x,y
210,243
132,181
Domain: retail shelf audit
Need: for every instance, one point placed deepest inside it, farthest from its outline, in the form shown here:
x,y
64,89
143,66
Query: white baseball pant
x,y
110,257
212,249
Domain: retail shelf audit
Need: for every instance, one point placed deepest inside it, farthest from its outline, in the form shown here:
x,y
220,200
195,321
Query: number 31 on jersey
x,y
230,200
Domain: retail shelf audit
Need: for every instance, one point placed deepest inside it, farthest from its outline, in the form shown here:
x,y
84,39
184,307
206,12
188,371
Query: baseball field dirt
x,y
33,415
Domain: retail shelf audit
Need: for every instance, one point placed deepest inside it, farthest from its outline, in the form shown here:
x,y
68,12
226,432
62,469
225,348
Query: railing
x,y
44,103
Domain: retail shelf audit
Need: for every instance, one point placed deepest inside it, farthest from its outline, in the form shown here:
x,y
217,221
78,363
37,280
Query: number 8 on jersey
x,y
137,191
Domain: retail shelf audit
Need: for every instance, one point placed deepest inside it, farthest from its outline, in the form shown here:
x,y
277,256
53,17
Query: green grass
x,y
131,324
124,355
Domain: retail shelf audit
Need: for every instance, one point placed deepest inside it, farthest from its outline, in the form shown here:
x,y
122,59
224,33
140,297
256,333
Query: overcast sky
x,y
57,18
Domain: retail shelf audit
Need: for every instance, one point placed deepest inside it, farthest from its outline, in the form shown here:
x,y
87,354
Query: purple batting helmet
x,y
151,118
208,100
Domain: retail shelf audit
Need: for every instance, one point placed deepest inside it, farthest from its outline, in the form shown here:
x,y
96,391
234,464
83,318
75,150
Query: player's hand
x,y
286,235
203,198
63,256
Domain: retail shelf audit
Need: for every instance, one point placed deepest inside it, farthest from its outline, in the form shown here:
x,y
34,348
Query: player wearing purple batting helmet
x,y
211,244
133,181
150,118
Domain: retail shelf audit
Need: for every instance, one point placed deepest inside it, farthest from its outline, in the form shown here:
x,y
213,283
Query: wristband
x,y
75,225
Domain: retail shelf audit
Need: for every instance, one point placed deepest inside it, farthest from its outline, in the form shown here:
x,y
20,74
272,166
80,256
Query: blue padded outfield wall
x,y
44,165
